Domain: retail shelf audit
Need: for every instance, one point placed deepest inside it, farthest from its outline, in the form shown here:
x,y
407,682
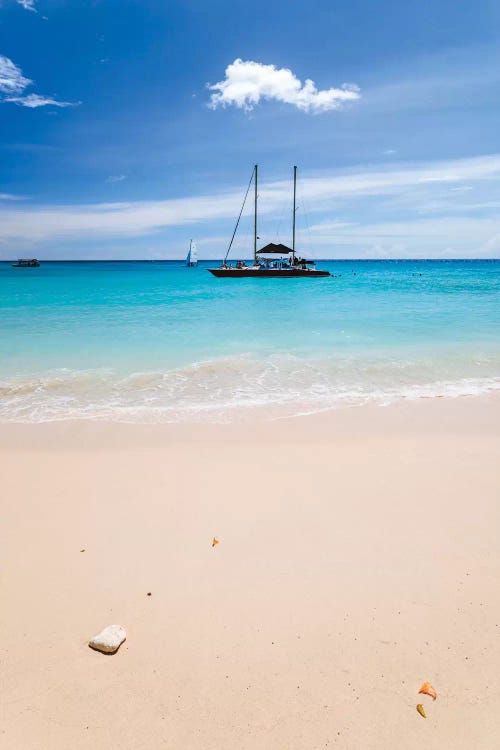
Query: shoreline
x,y
245,411
472,411
358,558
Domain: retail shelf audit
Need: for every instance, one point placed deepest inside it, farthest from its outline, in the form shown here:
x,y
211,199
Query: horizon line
x,y
216,260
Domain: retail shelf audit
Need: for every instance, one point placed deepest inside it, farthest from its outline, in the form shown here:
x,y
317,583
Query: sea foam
x,y
235,388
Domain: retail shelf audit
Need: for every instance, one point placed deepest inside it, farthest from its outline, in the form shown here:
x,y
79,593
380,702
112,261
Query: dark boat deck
x,y
26,263
259,273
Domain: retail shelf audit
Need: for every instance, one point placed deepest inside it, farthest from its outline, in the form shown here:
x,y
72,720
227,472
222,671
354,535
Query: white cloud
x,y
33,101
13,84
116,178
357,200
28,4
446,237
10,197
398,178
247,82
12,80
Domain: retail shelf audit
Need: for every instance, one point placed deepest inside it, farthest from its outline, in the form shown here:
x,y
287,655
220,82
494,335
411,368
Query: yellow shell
x,y
420,710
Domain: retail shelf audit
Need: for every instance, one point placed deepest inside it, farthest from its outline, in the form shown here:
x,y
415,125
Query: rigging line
x,y
239,217
283,209
306,216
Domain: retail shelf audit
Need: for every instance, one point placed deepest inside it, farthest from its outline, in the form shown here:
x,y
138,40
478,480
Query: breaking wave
x,y
238,388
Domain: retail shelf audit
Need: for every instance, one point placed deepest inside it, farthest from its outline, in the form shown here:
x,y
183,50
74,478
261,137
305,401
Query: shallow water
x,y
156,341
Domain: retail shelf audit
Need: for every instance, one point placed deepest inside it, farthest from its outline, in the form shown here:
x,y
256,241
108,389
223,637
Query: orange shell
x,y
420,710
427,689
214,542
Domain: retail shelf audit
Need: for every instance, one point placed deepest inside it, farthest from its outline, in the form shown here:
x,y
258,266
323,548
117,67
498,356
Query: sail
x,y
192,256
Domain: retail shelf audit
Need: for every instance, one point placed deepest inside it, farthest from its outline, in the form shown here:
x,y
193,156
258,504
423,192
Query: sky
x,y
128,127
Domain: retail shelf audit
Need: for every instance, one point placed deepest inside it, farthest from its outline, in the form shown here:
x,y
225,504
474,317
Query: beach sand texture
x,y
358,557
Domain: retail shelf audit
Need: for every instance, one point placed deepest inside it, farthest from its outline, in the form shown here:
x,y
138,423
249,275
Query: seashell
x,y
214,542
427,689
420,710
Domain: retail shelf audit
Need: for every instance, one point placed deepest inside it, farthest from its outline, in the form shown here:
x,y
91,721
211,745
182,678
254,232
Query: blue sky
x,y
112,145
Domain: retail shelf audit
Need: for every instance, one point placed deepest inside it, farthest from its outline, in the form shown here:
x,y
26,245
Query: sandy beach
x,y
358,558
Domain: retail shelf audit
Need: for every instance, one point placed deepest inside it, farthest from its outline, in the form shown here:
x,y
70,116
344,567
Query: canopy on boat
x,y
275,249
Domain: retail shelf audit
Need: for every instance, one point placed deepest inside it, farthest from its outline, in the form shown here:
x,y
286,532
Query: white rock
x,y
108,640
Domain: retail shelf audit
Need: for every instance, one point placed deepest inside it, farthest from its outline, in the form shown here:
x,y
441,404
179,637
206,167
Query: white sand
x,y
358,557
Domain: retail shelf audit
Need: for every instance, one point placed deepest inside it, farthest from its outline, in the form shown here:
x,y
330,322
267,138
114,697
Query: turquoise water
x,y
156,341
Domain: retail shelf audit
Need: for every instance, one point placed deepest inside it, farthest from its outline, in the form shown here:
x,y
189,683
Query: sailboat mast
x,y
255,221
294,209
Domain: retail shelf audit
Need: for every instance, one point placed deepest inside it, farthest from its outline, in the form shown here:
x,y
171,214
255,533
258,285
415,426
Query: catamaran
x,y
192,256
284,261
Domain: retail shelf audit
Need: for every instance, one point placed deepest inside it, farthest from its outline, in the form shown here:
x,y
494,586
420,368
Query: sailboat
x,y
192,256
284,261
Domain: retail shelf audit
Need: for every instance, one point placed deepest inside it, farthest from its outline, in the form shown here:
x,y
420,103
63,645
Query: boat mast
x,y
294,209
255,221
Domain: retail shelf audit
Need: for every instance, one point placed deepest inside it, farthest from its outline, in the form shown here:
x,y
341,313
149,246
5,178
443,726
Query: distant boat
x,y
26,263
192,256
287,265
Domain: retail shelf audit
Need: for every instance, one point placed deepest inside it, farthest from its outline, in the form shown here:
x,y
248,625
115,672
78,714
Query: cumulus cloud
x,y
28,5
247,83
13,85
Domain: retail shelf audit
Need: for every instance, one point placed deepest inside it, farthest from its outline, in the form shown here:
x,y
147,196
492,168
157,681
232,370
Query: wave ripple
x,y
230,388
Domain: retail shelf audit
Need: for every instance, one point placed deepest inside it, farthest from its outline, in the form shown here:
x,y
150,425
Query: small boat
x,y
286,265
192,256
26,263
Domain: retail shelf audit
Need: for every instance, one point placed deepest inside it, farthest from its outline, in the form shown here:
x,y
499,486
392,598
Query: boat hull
x,y
262,273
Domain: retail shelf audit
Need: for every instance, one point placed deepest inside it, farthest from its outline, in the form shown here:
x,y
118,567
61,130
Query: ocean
x,y
154,341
